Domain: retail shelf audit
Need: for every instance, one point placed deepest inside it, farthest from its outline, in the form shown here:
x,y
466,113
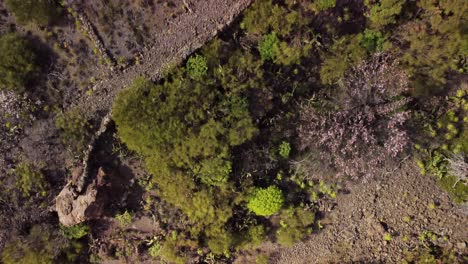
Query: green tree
x,y
436,43
41,246
383,12
185,128
17,62
266,201
321,5
40,12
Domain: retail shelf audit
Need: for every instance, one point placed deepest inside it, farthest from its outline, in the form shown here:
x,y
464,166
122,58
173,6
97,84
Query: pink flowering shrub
x,y
367,130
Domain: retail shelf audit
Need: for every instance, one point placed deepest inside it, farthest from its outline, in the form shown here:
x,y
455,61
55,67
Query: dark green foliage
x,y
75,129
18,63
40,12
267,201
185,129
345,52
41,246
295,225
76,231
221,243
373,41
268,47
436,43
176,130
197,66
383,12
264,16
253,237
284,149
321,5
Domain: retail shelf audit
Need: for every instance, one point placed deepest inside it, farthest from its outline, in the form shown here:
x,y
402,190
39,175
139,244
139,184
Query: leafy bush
x,y
295,225
384,12
321,5
197,66
253,237
221,243
40,12
284,149
267,201
75,129
18,63
29,180
268,47
373,41
176,129
264,16
41,246
346,52
76,231
125,218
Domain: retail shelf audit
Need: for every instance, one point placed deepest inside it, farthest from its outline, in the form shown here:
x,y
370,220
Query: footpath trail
x,y
182,36
187,33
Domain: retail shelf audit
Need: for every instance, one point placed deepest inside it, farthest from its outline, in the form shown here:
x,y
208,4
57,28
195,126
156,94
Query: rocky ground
x,y
402,204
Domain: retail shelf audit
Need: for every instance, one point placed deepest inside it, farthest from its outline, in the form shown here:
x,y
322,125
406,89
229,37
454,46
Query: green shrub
x,y
252,238
284,149
41,246
383,12
75,232
221,243
197,66
178,126
29,180
295,225
40,12
155,250
346,52
124,219
18,63
75,129
267,201
436,44
322,5
264,16
268,47
373,41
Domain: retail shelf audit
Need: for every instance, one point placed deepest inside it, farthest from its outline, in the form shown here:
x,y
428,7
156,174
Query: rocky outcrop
x,y
74,207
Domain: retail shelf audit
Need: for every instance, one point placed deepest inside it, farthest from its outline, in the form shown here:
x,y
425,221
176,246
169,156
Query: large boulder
x,y
74,207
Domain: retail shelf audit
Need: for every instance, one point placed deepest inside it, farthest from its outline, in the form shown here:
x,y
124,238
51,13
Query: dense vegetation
x,y
256,130
18,63
39,12
192,127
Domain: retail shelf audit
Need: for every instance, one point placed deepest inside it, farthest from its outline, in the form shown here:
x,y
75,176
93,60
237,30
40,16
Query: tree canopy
x,y
18,63
40,12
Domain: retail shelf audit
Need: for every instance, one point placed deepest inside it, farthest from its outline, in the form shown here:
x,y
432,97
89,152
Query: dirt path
x,y
188,33
183,35
403,204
